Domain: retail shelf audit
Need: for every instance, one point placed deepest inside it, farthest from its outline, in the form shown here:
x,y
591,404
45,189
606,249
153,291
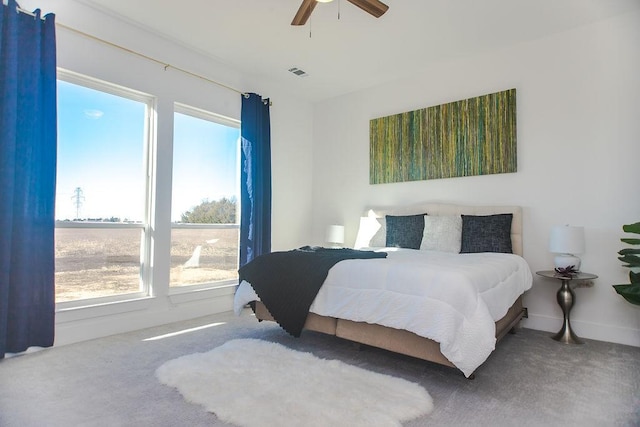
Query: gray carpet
x,y
530,380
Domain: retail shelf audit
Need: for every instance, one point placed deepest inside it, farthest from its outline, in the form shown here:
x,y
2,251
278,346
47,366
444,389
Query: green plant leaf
x,y
631,241
632,260
634,278
632,228
629,292
629,251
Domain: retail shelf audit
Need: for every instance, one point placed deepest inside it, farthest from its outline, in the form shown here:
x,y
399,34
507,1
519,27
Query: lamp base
x,y
566,260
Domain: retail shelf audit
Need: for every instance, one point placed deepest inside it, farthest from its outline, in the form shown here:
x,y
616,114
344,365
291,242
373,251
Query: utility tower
x,y
78,198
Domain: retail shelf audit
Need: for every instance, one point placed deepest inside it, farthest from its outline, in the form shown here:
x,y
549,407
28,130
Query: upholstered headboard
x,y
453,209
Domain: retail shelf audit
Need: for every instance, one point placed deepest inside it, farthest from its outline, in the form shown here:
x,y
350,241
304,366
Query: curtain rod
x,y
28,12
133,52
149,58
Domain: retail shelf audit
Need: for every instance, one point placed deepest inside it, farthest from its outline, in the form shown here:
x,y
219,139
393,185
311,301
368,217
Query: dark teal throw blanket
x,y
288,282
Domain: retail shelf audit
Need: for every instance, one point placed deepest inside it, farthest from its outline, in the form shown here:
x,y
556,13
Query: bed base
x,y
396,340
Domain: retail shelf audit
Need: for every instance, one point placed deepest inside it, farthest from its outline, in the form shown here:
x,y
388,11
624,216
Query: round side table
x,y
566,298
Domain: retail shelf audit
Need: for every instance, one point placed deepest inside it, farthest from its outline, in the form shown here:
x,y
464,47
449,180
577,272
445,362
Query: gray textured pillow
x,y
404,231
442,233
486,233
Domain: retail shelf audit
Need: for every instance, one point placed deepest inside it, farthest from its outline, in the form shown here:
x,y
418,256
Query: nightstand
x,y
566,297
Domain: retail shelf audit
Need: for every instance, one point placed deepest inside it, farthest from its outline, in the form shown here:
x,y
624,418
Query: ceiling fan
x,y
373,7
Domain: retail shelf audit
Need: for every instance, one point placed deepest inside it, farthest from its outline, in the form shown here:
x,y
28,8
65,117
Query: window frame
x,y
149,146
225,121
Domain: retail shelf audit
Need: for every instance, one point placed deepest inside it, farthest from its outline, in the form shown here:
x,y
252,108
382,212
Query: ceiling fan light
x,y
324,1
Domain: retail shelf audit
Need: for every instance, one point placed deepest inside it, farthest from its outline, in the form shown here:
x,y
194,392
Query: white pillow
x,y
371,233
442,233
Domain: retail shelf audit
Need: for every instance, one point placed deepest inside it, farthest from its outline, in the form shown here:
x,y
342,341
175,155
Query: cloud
x,y
93,114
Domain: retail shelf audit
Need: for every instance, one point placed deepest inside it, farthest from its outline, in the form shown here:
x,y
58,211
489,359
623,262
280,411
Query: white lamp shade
x,y
335,234
566,239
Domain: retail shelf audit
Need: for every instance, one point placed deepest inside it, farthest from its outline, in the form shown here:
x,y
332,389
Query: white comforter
x,y
453,299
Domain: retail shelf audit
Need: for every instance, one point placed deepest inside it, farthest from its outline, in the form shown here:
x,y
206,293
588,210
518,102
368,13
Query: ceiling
x,y
356,51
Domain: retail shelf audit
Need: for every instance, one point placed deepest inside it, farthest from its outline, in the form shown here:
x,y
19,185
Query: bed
x,y
449,288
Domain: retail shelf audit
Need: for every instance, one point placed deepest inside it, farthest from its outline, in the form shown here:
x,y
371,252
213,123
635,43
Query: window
x,y
102,196
205,208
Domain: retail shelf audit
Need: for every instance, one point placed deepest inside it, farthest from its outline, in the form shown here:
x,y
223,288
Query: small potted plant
x,y
631,258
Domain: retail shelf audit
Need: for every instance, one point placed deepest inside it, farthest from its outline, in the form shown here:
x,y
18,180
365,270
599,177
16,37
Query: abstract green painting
x,y
475,136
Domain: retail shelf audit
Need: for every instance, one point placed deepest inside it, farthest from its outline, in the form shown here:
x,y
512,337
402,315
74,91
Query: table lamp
x,y
335,235
566,241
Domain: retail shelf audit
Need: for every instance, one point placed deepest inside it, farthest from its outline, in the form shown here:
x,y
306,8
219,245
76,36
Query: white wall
x,y
291,133
578,151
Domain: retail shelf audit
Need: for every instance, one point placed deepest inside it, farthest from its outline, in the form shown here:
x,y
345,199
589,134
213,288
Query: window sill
x,y
100,309
185,294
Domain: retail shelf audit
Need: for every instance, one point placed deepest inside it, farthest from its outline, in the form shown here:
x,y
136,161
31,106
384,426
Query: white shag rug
x,y
250,382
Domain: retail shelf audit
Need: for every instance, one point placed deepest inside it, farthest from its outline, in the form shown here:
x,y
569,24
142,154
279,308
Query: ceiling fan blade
x,y
304,12
373,7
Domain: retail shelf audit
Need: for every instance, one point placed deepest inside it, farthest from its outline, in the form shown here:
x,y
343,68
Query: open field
x,y
94,262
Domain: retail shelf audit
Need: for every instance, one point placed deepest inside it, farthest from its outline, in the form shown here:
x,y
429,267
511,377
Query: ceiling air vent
x,y
298,72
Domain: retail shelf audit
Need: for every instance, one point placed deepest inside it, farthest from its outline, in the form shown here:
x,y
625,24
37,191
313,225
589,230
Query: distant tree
x,y
221,211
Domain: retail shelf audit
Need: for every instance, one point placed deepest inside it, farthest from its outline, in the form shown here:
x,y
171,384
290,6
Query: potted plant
x,y
631,258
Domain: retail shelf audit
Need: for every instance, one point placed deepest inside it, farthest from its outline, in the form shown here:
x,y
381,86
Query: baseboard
x,y
163,311
588,330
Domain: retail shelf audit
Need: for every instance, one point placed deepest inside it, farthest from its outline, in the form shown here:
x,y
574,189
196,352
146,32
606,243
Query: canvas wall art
x,y
475,136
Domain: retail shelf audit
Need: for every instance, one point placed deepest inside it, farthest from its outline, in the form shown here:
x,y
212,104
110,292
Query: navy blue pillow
x,y
486,233
404,231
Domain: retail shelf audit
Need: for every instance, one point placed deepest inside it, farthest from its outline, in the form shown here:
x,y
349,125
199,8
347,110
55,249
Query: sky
x,y
205,163
101,153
